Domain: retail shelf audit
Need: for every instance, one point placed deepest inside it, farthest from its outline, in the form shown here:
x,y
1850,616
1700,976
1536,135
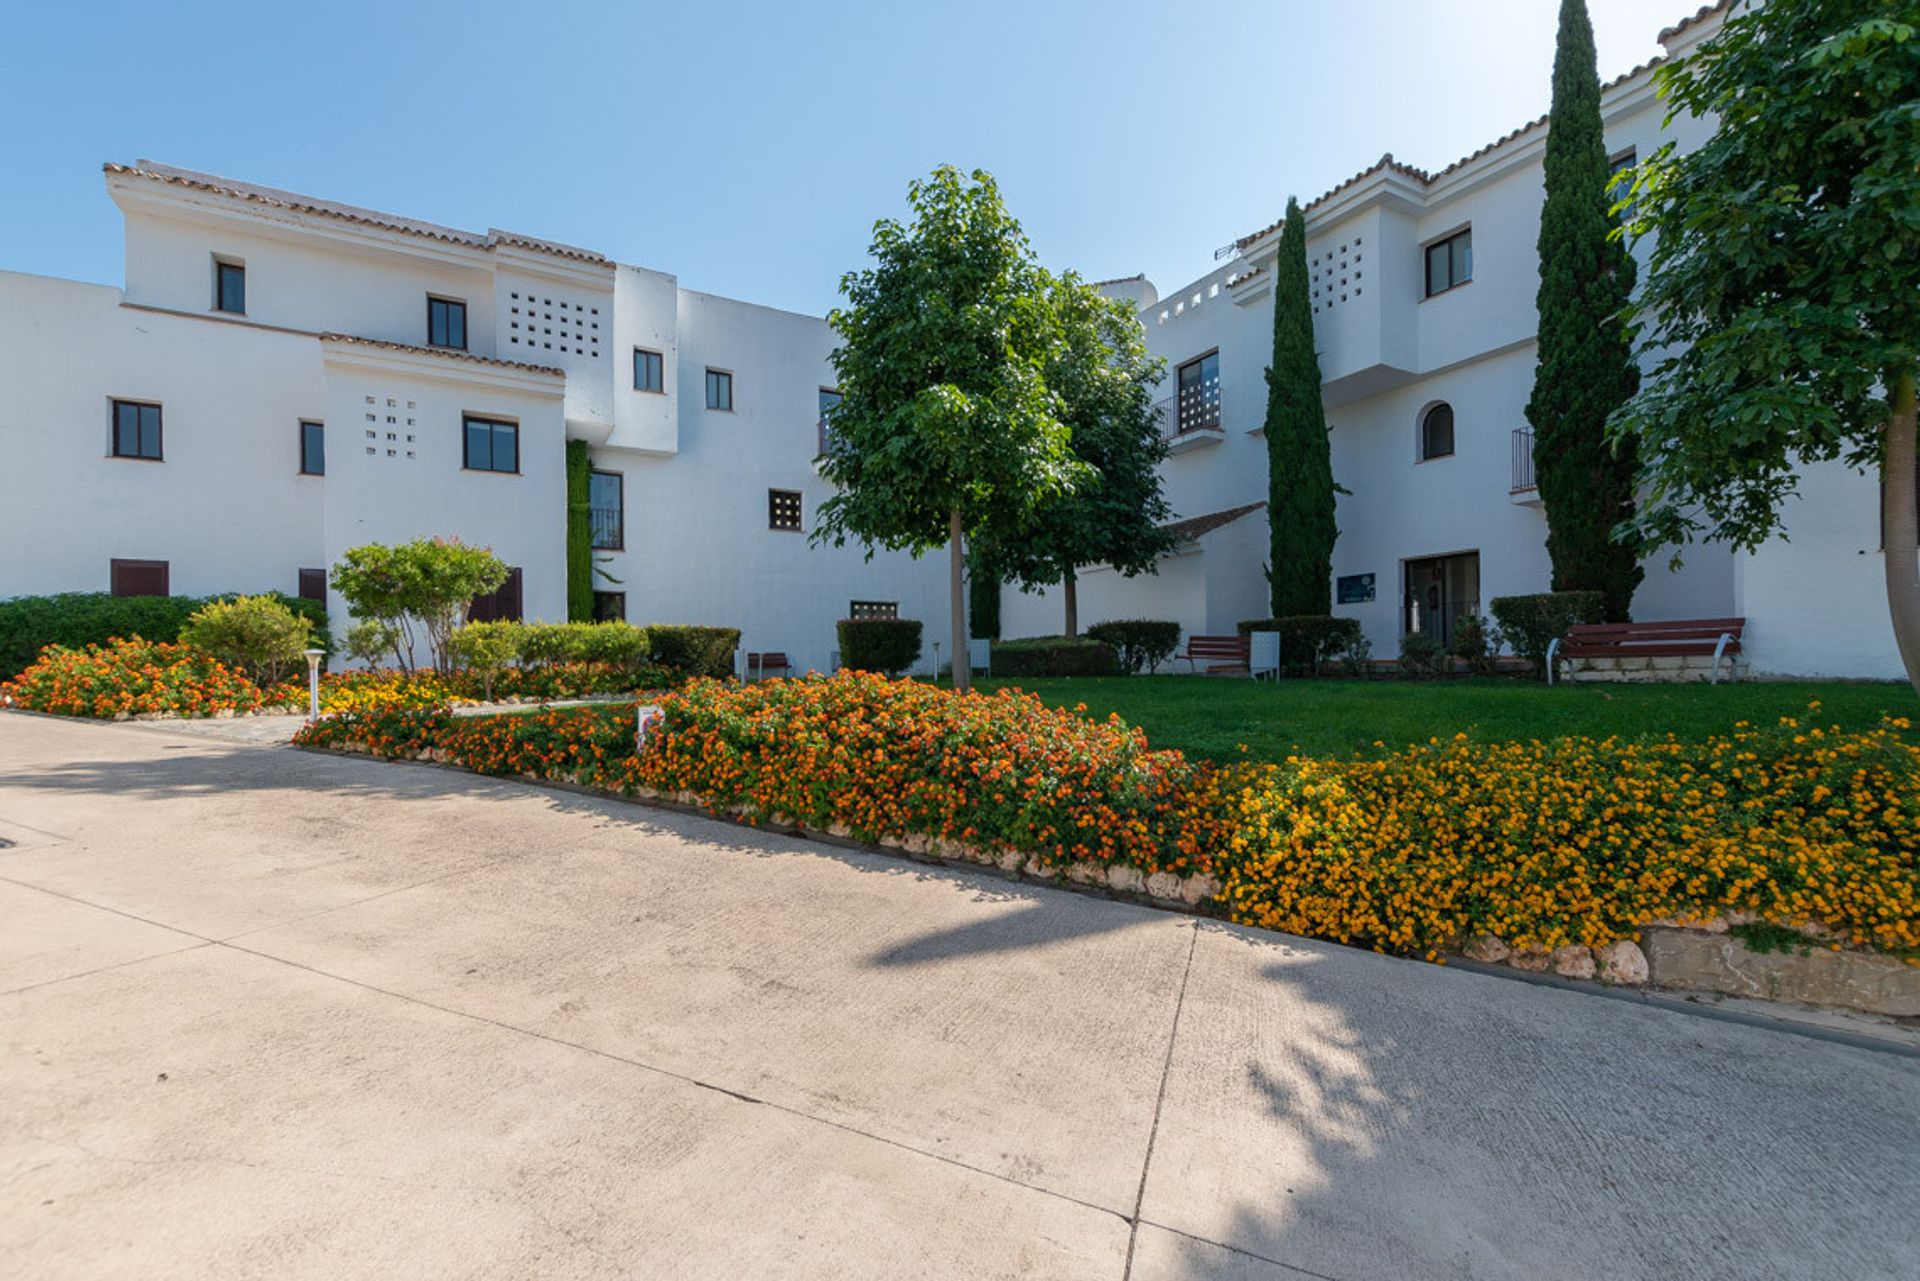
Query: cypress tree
x,y
579,533
1586,368
1300,489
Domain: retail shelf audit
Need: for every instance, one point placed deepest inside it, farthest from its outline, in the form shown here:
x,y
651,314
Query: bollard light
x,y
313,683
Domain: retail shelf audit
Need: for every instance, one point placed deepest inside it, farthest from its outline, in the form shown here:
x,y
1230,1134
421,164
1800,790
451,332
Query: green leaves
x,y
1300,487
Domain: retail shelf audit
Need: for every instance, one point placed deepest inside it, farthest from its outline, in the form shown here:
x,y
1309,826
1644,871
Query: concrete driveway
x,y
275,1014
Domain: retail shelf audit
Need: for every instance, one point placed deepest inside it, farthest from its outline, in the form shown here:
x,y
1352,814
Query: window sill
x,y
489,471
134,458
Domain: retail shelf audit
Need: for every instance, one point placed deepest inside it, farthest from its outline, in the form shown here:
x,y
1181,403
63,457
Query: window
x,y
229,286
829,401
1450,262
1620,181
136,430
719,389
492,445
138,577
609,607
502,605
873,609
313,449
607,510
313,584
1436,432
647,370
446,323
783,509
1198,403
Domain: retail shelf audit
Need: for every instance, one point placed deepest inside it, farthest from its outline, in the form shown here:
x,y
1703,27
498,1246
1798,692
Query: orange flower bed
x,y
129,677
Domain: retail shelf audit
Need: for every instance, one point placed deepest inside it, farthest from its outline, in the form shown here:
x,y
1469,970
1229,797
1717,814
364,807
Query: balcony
x,y
1192,417
1525,489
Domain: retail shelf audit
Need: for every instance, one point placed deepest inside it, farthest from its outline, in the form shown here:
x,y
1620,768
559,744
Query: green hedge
x,y
1309,643
1055,656
1138,642
1531,623
30,623
693,651
887,645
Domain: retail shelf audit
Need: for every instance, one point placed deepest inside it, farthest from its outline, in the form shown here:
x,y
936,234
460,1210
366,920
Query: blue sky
x,y
748,147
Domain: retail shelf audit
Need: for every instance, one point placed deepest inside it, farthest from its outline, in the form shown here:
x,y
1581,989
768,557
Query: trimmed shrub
x,y
1055,656
1477,642
29,624
1531,623
1138,642
889,645
693,651
1422,656
130,677
256,635
1309,643
486,650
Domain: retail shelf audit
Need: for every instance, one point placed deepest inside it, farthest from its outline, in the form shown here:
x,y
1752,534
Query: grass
x,y
1211,717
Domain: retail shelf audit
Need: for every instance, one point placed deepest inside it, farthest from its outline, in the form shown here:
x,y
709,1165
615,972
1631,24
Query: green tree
x,y
945,429
423,586
1784,285
580,564
1586,367
258,635
1300,488
1102,380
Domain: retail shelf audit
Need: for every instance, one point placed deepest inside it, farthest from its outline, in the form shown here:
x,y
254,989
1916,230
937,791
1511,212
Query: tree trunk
x,y
1071,591
962,668
1899,521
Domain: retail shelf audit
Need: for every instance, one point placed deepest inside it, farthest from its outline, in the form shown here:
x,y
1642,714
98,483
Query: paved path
x,y
275,1014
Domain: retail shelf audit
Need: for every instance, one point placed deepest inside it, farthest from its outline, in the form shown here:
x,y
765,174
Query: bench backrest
x,y
1683,629
1219,646
772,658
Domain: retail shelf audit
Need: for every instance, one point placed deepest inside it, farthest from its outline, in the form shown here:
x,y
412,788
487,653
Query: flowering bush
x,y
1570,841
362,690
129,677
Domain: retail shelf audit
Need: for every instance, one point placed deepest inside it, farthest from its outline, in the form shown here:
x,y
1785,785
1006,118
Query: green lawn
x,y
1211,717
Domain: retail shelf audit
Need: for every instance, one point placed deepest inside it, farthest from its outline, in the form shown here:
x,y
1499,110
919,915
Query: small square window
x,y
313,449
229,287
783,509
446,323
648,373
313,584
136,430
1450,262
719,390
491,445
137,577
609,607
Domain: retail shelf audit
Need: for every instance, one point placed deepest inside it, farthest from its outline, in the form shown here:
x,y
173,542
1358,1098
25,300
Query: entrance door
x,y
1439,591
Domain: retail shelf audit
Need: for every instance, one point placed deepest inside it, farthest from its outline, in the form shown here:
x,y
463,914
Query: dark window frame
x,y
221,266
774,497
116,565
1427,454
619,543
139,454
467,423
657,364
450,304
505,603
603,615
726,377
1458,246
311,584
305,468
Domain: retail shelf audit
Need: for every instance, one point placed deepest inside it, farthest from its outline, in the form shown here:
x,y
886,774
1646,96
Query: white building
x,y
283,378
1423,291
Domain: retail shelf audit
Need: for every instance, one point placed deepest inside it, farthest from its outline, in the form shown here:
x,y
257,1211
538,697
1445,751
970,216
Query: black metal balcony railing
x,y
1523,482
609,528
1192,409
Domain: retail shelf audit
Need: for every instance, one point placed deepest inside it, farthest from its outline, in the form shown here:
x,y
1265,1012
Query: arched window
x,y
1436,432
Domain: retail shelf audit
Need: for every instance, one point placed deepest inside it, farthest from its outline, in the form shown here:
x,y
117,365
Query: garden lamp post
x,y
313,683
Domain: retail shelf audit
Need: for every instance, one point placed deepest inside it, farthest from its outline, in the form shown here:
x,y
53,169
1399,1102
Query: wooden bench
x,y
1678,638
1219,653
759,664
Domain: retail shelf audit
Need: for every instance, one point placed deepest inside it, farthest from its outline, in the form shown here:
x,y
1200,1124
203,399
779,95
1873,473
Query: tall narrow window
x,y
1198,403
1620,183
783,509
606,509
1450,262
719,389
446,323
1436,432
138,577
829,401
136,430
491,445
313,449
647,370
229,287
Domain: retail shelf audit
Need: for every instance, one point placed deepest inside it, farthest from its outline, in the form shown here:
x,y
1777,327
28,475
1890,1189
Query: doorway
x,y
1440,590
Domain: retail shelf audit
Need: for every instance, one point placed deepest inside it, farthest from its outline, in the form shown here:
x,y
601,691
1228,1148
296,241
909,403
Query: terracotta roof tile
x,y
278,199
1706,11
447,353
1194,526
